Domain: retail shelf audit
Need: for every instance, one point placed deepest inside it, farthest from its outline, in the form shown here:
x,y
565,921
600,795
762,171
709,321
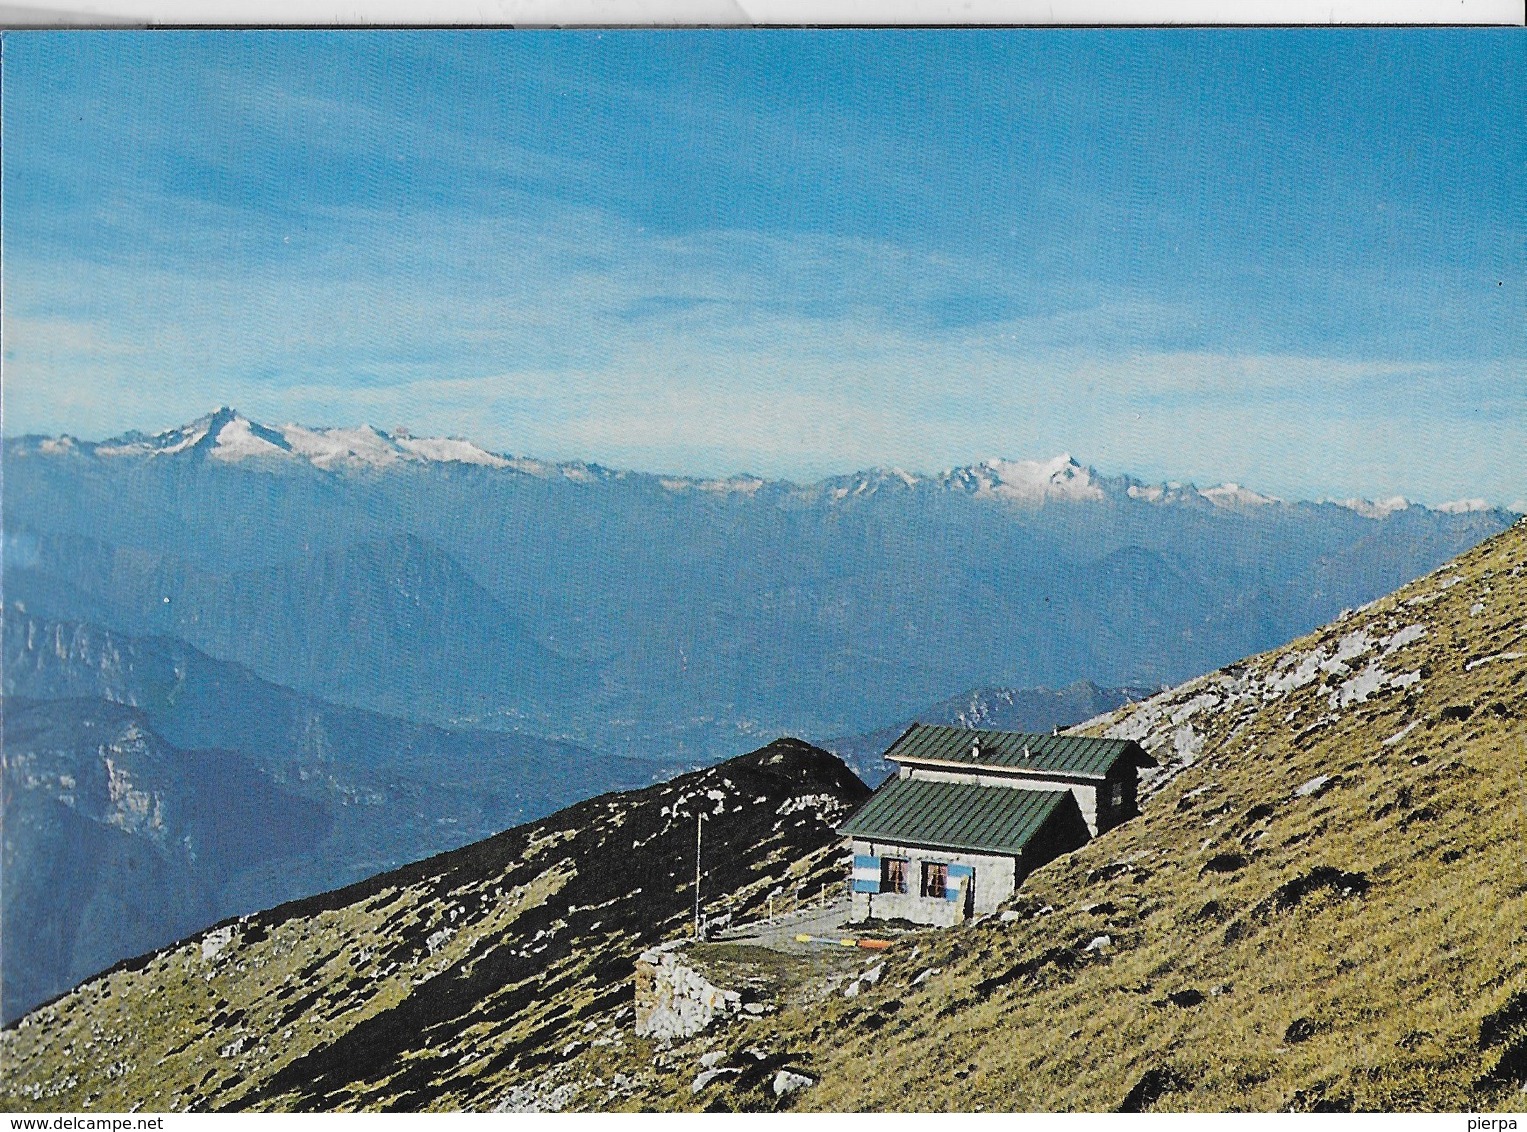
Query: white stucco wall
x,y
994,880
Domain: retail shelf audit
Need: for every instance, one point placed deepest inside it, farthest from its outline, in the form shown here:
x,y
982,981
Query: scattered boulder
x,y
1314,787
866,979
788,1081
707,1076
215,941
1188,996
537,1096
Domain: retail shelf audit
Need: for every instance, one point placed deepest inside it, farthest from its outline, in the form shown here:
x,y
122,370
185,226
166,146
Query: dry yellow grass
x,y
1397,981
1274,941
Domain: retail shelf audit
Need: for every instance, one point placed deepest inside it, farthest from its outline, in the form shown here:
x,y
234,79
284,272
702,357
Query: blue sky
x,y
1294,259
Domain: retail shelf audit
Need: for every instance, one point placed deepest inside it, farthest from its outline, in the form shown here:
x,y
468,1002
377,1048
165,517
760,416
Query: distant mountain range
x,y
245,664
227,437
1319,909
672,618
151,790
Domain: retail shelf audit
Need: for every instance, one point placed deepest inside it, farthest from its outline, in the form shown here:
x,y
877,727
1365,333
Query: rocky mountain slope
x,y
328,795
446,983
665,617
347,756
116,842
1321,907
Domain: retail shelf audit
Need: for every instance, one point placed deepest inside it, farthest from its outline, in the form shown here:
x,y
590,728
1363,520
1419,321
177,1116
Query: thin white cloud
x,y
570,334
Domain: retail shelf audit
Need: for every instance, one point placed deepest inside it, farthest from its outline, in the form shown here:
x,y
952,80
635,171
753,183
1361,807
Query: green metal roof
x,y
1073,755
955,815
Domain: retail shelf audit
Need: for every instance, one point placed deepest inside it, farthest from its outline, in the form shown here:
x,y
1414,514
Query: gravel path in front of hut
x,y
829,921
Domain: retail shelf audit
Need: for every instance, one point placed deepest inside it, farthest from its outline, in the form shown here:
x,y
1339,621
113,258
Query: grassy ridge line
x,y
1324,906
441,984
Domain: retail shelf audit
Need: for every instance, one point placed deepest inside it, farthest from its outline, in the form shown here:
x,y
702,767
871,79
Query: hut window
x,y
1118,795
935,879
893,874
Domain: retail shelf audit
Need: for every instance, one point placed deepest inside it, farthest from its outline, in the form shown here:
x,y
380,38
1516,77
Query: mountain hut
x,y
970,813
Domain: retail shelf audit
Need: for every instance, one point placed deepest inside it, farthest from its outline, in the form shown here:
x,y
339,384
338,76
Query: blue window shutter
x,y
866,874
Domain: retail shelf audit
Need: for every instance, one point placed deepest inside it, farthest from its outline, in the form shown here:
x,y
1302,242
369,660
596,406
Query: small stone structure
x,y
675,1000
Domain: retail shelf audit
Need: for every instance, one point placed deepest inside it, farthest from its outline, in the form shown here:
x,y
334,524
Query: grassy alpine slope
x,y
1323,906
443,984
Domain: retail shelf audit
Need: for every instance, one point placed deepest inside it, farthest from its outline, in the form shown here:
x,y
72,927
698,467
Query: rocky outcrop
x,y
674,1000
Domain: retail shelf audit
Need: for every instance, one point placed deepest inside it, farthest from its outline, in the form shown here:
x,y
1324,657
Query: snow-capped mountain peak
x,y
1028,481
868,482
1375,508
239,438
1462,506
1173,491
1234,495
452,450
229,437
331,447
201,434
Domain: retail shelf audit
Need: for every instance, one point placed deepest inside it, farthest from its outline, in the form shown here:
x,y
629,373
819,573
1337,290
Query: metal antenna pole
x,y
699,826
